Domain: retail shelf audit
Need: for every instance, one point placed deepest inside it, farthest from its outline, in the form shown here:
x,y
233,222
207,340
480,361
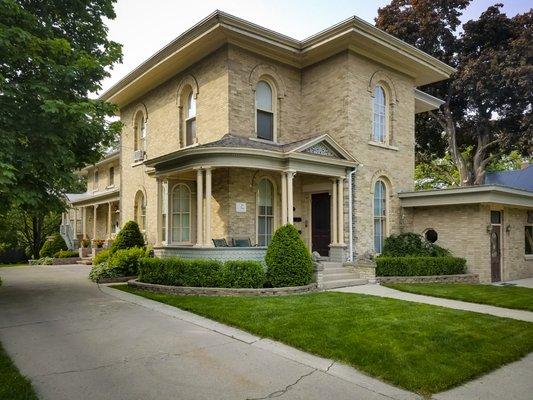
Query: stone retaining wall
x,y
116,279
65,261
463,278
208,291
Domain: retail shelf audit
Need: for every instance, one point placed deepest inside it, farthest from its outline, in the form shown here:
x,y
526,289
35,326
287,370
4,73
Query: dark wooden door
x,y
495,253
321,223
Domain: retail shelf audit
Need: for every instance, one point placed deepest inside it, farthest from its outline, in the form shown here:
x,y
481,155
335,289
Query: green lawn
x,y
13,386
419,347
501,296
14,265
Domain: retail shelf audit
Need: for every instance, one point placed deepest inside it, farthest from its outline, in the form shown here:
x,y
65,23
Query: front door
x,y
320,223
495,246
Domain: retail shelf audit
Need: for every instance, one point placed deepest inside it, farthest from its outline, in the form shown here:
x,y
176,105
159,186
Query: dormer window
x,y
264,111
379,128
190,120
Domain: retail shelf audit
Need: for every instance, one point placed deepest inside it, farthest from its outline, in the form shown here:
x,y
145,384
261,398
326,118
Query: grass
x,y
520,298
13,386
14,265
419,347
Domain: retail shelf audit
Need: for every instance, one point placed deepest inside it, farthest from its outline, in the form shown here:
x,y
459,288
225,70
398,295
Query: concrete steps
x,y
334,275
85,261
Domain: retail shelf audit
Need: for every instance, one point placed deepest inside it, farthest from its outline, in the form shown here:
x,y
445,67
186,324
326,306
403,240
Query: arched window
x,y
379,132
96,179
139,142
181,214
265,212
264,111
111,177
380,215
190,120
140,210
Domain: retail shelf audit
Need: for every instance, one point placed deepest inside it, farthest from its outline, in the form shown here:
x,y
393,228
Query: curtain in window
x,y
380,215
265,212
181,221
379,125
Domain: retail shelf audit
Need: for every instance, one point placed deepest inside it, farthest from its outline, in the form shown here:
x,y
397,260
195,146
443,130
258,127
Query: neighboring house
x,y
233,130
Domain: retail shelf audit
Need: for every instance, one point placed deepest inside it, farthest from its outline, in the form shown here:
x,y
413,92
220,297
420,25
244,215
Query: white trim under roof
x,y
426,102
485,194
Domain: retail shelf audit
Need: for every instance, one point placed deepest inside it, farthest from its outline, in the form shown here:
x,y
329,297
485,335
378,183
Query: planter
x,y
85,252
210,291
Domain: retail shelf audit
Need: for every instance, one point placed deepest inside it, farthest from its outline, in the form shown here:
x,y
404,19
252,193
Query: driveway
x,y
74,341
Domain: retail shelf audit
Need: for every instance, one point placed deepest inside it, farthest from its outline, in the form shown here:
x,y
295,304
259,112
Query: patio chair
x,y
242,242
220,242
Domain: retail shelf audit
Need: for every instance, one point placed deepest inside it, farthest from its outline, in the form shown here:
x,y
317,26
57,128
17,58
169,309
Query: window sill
x,y
382,145
273,142
190,146
137,163
110,187
528,256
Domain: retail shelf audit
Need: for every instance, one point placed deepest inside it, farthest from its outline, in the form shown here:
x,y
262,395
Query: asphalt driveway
x,y
76,342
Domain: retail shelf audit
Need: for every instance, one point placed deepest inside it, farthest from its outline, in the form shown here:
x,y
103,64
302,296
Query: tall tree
x,y
488,101
53,56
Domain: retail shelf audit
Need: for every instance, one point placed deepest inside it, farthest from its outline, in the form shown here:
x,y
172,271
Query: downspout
x,y
350,212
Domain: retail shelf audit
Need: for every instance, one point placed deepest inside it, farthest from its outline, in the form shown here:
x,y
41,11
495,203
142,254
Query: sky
x,y
145,26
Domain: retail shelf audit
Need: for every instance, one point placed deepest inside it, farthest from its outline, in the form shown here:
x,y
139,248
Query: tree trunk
x,y
466,177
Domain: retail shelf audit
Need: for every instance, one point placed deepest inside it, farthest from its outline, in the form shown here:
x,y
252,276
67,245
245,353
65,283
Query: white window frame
x,y
257,214
181,213
140,210
382,112
528,224
190,98
273,111
383,217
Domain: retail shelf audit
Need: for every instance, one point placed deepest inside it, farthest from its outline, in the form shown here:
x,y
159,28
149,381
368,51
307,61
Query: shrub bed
x,y
52,246
175,271
419,266
242,274
121,263
67,254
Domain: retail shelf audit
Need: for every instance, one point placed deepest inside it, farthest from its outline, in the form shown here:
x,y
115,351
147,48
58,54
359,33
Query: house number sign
x,y
240,207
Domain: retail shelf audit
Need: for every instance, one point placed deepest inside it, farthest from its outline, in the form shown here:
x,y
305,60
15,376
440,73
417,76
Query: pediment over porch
x,y
323,146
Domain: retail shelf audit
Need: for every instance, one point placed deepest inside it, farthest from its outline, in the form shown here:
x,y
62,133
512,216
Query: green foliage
x,y
52,246
54,56
288,260
42,261
242,274
180,272
67,254
101,256
10,255
13,385
129,236
419,266
121,263
411,244
104,270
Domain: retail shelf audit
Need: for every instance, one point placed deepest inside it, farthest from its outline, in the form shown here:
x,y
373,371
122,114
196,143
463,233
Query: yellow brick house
x,y
232,130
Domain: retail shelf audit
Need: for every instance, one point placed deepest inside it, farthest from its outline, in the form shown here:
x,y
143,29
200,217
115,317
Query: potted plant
x,y
84,249
98,245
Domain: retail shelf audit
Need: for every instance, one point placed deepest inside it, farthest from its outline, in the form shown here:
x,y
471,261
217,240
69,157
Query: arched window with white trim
x,y
380,215
139,142
139,210
264,108
265,212
190,120
181,214
379,126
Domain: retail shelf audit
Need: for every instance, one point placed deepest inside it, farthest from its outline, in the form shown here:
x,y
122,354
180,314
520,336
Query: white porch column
x,y
334,217
109,211
84,222
207,236
290,203
75,227
340,210
95,207
165,210
199,206
283,198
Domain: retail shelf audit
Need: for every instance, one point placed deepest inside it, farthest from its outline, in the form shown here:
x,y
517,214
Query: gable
x,y
322,149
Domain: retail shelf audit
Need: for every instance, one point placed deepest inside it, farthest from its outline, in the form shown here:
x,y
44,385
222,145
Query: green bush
x,y
11,255
122,263
101,256
180,272
288,260
411,244
52,246
67,254
242,274
104,270
42,261
129,236
419,266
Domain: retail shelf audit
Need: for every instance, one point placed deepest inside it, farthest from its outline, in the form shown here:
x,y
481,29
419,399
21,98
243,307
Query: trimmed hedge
x,y
419,266
52,246
67,254
122,263
175,271
411,244
129,236
242,274
288,259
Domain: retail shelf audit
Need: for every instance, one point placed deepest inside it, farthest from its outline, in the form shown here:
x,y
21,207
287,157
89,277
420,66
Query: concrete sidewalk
x,y
75,340
382,291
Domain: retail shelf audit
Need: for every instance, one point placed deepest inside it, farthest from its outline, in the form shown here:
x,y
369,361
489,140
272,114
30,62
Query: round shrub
x,y
127,260
411,244
52,246
129,236
288,260
101,256
242,274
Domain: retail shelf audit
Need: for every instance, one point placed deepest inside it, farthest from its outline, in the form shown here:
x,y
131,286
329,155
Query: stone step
x,y
339,277
331,264
85,261
336,270
343,283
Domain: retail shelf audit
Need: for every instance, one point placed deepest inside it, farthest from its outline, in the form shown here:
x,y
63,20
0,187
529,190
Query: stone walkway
x,y
526,282
382,291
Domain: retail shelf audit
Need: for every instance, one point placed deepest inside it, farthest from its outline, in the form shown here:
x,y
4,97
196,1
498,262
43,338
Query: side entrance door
x,y
321,223
495,246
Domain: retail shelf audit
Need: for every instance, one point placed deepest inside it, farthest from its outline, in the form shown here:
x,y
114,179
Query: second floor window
x,y
379,126
264,111
190,120
111,178
96,180
139,142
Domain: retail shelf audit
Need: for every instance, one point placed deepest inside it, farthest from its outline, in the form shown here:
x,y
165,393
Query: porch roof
x,y
318,154
87,199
